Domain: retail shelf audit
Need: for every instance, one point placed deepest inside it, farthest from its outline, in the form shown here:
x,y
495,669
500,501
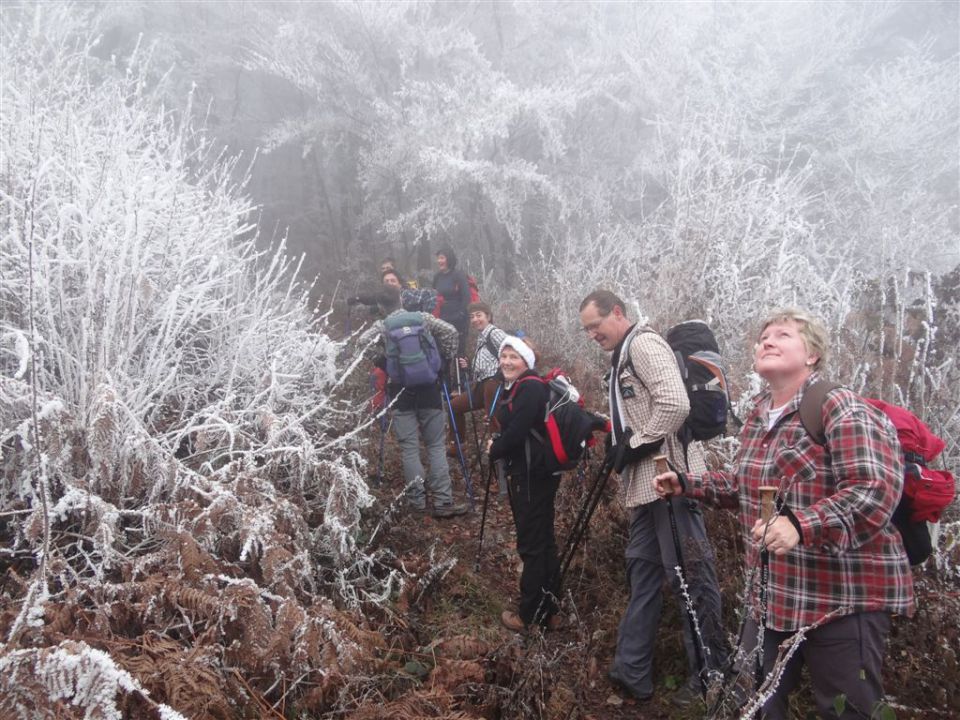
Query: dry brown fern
x,y
199,604
451,674
431,702
193,560
460,647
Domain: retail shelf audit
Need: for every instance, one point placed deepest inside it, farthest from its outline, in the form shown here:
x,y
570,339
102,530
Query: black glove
x,y
608,448
615,452
351,301
631,455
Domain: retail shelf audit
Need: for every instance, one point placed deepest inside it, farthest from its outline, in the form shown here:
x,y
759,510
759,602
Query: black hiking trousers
x,y
532,501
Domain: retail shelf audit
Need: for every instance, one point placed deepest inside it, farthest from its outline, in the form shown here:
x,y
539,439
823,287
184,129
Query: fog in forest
x,y
198,514
521,130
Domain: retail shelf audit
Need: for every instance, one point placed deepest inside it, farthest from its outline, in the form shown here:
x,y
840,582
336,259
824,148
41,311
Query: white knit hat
x,y
523,350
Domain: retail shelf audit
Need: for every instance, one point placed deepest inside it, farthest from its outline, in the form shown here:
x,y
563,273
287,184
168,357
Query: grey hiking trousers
x,y
409,425
650,557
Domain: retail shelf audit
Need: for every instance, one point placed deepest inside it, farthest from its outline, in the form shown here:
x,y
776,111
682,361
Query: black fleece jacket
x,y
522,411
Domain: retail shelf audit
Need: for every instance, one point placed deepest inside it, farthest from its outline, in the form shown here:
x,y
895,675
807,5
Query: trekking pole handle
x,y
767,507
660,461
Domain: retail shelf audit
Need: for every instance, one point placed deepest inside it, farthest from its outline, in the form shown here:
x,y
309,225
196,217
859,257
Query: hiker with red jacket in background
x,y
834,562
454,289
533,488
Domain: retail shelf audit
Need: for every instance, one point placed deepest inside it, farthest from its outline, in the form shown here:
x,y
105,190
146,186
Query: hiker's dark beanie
x,y
480,307
450,255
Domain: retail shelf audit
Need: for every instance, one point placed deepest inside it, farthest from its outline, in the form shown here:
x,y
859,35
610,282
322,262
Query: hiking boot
x,y
686,696
511,621
620,684
448,511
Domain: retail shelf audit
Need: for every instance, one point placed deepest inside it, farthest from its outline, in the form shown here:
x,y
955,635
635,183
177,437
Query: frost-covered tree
x,y
170,426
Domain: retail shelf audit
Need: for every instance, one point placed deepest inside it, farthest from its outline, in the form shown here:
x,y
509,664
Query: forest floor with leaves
x,y
214,631
498,673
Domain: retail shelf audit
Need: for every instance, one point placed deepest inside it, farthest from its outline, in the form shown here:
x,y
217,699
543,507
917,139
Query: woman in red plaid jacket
x,y
829,563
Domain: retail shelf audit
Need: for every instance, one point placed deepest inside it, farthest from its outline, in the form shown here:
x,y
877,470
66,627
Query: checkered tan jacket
x,y
656,406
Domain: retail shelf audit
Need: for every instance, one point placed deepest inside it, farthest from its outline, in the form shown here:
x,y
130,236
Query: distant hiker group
x,y
832,503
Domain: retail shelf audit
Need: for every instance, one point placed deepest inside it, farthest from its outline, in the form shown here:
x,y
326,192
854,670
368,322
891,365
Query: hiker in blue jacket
x,y
533,488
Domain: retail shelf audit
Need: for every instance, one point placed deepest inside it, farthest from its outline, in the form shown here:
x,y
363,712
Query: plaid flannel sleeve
x,y
444,333
867,474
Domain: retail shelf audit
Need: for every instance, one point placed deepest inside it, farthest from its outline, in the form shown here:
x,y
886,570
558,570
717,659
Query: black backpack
x,y
705,378
569,425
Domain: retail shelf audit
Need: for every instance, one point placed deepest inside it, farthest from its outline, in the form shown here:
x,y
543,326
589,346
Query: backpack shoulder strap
x,y
516,386
811,409
625,360
495,351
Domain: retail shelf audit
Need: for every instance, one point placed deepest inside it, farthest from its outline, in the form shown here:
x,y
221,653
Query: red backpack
x,y
926,492
474,289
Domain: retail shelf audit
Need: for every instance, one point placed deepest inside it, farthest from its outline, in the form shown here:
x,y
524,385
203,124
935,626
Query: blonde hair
x,y
811,330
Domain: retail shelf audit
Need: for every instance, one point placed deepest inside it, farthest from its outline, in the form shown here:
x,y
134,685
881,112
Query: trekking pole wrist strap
x,y
681,476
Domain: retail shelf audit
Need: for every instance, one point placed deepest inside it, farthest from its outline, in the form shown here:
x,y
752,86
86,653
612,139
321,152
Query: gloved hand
x,y
632,455
351,301
615,452
608,448
490,441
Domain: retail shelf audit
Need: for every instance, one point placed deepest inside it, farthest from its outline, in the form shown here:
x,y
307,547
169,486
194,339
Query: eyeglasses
x,y
592,328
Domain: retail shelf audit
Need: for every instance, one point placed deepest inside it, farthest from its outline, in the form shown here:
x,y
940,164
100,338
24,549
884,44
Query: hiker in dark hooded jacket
x,y
533,488
452,285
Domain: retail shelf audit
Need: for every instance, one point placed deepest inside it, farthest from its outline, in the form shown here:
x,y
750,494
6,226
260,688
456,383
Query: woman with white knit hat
x,y
532,487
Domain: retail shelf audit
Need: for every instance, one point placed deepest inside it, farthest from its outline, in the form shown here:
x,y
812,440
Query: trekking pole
x,y
493,405
586,513
473,422
483,517
456,437
767,513
662,465
730,672
383,434
501,480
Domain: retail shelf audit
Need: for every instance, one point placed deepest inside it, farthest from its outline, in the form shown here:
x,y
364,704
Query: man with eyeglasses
x,y
648,405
